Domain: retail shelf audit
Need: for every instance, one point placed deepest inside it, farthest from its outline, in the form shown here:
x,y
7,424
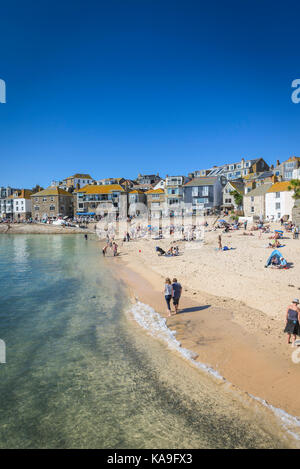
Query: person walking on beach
x,y
292,321
168,294
220,242
176,293
115,249
245,225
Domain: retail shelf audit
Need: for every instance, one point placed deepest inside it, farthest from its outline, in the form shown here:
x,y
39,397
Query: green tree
x,y
238,197
295,186
36,189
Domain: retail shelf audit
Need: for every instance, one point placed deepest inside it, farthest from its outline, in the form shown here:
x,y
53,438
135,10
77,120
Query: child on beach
x,y
292,321
168,294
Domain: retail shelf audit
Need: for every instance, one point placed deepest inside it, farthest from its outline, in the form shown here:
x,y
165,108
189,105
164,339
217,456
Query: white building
x,y
159,185
6,202
279,201
296,173
22,204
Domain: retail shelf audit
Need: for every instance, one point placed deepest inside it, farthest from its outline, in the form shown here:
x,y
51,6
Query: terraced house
x,y
52,203
203,194
228,198
22,204
234,170
6,202
174,192
156,202
78,180
102,200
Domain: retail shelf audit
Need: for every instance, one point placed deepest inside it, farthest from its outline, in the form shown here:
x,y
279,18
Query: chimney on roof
x,y
277,162
272,167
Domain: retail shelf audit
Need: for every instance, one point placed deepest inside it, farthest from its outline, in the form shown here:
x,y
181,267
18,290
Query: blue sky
x,y
119,87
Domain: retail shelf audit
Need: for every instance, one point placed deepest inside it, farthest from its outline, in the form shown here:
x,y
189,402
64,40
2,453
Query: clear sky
x,y
117,87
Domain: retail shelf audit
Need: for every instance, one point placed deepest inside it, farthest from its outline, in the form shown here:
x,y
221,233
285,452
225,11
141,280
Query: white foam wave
x,y
156,325
289,422
150,320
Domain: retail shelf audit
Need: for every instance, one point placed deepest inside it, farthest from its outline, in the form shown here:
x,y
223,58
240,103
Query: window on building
x,y
278,206
205,190
195,191
52,208
252,199
277,195
36,208
44,199
252,209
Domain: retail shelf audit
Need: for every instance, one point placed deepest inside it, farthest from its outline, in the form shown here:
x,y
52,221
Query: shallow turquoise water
x,y
80,374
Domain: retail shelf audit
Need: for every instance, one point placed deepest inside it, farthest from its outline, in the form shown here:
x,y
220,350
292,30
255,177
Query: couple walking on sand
x,y
172,291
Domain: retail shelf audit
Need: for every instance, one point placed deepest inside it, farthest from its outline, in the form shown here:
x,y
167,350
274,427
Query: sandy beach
x,y
232,308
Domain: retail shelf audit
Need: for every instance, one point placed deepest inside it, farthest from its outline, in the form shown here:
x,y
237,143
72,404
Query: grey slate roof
x,y
202,181
261,190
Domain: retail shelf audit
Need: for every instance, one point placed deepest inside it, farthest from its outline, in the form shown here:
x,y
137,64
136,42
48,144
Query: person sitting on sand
x,y
292,321
283,263
177,289
274,261
168,292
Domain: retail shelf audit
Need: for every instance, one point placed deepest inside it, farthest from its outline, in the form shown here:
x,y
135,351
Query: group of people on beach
x,y
112,245
172,291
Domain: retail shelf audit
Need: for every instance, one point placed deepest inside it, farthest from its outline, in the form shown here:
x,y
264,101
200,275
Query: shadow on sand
x,y
194,309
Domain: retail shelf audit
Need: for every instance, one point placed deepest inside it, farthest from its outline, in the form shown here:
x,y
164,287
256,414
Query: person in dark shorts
x,y
292,321
177,289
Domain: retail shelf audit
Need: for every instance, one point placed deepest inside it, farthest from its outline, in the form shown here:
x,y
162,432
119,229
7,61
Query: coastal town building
x,y
22,204
174,192
51,203
254,180
286,169
254,202
279,201
137,203
159,185
102,200
148,179
234,170
156,203
228,198
203,194
6,202
78,180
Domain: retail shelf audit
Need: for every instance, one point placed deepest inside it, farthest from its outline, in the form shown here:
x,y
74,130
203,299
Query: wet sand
x,y
245,345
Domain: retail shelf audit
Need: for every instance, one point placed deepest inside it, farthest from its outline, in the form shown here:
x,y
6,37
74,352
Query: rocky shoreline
x,y
37,228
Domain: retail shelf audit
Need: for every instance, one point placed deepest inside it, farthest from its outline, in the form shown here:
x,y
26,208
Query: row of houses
x,y
249,186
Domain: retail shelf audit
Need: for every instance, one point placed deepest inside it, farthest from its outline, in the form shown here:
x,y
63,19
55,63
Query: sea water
x,y
80,372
